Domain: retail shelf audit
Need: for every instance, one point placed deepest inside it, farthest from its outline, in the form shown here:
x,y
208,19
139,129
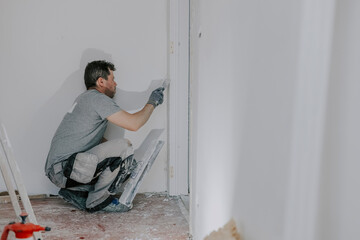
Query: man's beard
x,y
110,93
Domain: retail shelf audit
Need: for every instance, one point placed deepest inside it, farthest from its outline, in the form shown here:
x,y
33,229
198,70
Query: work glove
x,y
156,97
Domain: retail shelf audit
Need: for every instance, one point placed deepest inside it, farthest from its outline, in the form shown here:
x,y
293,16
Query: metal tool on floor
x,y
11,174
145,155
22,230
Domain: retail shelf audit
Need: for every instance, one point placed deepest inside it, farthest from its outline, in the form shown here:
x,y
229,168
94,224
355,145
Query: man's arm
x,y
132,121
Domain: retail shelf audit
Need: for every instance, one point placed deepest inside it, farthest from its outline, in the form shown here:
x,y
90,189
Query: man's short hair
x,y
97,69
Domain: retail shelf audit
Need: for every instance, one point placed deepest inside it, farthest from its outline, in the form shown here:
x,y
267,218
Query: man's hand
x,y
156,97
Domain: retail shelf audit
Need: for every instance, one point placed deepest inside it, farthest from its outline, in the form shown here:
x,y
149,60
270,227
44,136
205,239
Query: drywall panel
x,y
45,47
249,60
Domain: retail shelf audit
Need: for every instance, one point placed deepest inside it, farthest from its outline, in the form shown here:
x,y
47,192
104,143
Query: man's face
x,y
110,85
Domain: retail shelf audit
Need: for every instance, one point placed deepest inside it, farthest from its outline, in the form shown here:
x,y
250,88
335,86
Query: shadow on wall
x,y
45,121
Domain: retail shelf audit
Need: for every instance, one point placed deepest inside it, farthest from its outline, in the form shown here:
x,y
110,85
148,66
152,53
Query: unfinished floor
x,y
154,216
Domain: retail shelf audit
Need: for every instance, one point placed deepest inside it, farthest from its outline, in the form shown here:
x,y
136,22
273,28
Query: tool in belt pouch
x,y
81,167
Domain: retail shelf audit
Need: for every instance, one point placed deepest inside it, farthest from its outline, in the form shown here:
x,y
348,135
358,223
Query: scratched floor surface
x,y
154,216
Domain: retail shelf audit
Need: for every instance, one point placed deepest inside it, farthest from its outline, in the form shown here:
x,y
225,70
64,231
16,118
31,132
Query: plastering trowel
x,y
145,156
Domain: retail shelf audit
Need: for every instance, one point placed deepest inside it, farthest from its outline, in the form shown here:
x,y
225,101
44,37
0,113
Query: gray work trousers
x,y
99,192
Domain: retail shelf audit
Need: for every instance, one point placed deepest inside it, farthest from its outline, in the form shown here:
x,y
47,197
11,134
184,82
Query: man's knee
x,y
113,148
121,142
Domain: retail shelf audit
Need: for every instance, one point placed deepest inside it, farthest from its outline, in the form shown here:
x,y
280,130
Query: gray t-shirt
x,y
82,127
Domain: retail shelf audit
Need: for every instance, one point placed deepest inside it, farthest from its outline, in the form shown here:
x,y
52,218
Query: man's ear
x,y
100,82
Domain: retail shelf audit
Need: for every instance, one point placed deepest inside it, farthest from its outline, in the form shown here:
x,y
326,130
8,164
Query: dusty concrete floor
x,y
154,216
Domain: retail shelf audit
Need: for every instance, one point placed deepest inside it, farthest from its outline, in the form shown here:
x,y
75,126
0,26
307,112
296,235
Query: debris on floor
x,y
150,218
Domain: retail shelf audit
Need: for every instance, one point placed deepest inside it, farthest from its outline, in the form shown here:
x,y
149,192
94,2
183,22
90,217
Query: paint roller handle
x,y
157,97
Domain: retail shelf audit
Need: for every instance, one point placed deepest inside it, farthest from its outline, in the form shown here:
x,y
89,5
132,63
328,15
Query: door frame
x,y
178,173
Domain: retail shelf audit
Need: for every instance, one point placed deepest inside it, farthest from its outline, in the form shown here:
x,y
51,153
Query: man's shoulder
x,y
92,94
94,98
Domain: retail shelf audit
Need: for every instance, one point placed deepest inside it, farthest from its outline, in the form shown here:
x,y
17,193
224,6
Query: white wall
x,y
248,63
243,79
45,47
340,196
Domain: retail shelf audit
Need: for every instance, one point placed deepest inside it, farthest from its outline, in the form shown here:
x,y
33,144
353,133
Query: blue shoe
x,y
115,206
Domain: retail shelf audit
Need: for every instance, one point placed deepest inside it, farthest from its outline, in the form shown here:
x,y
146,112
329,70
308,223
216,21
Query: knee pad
x,y
81,168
